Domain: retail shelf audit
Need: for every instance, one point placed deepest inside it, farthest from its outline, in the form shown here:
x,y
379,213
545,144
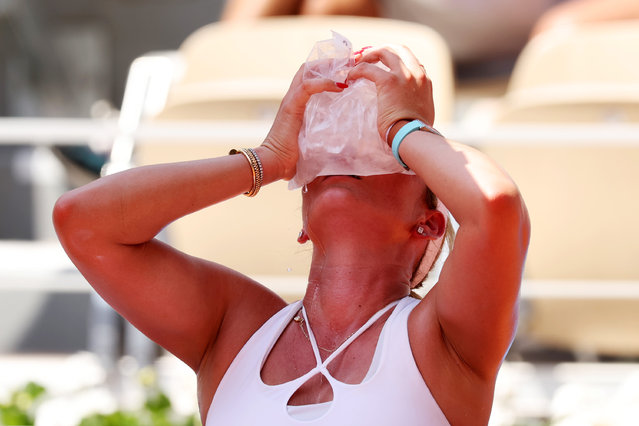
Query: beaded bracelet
x,y
407,129
256,169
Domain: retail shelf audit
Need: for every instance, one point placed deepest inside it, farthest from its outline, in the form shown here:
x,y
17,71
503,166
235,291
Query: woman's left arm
x,y
475,300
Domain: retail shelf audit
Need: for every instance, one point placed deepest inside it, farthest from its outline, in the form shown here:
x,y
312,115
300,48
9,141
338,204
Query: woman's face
x,y
394,201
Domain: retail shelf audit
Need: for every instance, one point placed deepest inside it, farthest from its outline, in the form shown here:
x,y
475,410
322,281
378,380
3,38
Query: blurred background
x,y
549,89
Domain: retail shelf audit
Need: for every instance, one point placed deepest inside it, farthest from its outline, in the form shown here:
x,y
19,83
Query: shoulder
x,y
251,305
463,396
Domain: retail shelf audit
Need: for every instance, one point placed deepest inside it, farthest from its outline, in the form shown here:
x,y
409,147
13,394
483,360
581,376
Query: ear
x,y
432,226
302,237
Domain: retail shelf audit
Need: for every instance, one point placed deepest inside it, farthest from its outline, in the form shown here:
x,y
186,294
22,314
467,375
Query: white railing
x,y
83,131
56,273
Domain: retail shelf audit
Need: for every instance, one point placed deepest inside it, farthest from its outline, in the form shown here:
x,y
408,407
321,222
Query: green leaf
x,y
117,418
34,389
158,402
12,415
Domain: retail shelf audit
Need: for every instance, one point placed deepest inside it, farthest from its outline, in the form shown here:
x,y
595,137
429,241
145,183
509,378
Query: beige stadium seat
x,y
583,198
588,74
231,73
242,70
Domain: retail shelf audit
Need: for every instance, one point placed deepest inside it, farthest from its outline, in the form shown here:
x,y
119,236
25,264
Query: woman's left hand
x,y
403,92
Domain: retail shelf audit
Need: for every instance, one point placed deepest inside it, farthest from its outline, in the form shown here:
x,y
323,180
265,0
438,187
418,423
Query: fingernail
x,y
363,48
341,85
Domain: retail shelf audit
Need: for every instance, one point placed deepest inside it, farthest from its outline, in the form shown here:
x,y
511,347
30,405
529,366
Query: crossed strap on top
x,y
322,366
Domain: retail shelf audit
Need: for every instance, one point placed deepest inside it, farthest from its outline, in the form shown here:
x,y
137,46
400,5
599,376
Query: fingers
x,y
401,64
403,88
318,85
303,88
384,54
368,71
398,60
309,87
395,57
282,138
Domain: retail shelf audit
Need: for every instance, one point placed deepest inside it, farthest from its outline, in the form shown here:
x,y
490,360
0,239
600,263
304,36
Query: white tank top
x,y
393,392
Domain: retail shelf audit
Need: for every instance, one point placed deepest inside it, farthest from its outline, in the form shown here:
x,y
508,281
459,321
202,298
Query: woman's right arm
x,y
108,229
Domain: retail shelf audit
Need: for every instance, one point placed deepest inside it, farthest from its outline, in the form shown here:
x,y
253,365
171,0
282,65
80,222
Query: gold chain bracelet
x,y
256,169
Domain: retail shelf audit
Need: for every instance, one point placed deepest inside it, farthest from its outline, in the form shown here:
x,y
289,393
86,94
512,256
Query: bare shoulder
x,y
247,306
462,330
463,396
251,305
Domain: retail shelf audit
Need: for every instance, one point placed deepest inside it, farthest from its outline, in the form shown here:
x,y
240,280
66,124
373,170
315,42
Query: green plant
x,y
21,406
156,411
148,416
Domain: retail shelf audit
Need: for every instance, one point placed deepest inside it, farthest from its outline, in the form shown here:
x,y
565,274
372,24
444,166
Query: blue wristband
x,y
407,129
399,138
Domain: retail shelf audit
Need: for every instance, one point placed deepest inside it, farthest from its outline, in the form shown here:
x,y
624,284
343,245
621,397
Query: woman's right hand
x,y
282,138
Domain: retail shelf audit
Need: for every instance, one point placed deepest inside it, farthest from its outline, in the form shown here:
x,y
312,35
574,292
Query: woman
x,y
358,350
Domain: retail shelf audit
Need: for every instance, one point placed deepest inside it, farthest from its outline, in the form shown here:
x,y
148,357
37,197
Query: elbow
x,y
506,212
62,214
68,223
504,201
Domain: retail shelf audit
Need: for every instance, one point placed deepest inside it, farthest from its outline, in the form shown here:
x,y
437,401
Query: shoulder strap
x,y
348,341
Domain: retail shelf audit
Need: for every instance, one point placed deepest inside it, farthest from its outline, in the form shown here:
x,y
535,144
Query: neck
x,y
347,285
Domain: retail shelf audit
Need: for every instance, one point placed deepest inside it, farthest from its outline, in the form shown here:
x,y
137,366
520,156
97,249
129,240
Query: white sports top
x,y
393,392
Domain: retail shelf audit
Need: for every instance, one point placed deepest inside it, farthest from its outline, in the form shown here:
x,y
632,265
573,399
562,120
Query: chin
x,y
333,195
346,177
